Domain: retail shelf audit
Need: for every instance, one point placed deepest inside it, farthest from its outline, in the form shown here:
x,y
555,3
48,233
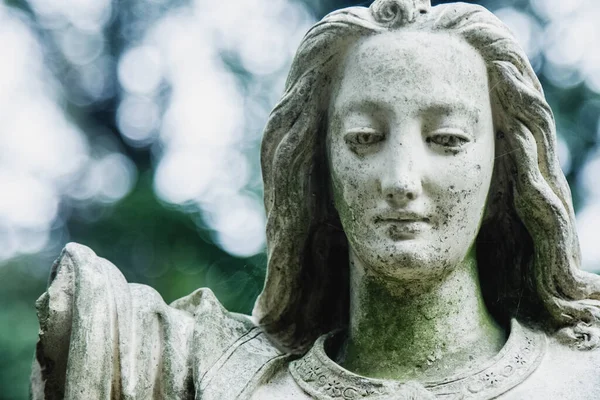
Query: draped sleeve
x,y
102,338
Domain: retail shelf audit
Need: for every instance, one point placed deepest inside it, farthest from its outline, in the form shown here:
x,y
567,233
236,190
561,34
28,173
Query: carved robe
x,y
102,338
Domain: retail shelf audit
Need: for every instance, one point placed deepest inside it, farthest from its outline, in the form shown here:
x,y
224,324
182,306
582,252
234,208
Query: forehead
x,y
425,68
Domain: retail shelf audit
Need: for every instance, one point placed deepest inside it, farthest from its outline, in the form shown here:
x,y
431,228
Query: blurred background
x,y
134,128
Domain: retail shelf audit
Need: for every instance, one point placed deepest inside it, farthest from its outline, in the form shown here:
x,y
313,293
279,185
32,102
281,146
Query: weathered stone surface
x,y
101,338
420,233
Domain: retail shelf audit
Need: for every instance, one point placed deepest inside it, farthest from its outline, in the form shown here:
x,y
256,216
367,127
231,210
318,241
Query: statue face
x,y
410,145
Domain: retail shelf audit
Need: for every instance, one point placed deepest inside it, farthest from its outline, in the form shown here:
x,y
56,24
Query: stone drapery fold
x,y
102,338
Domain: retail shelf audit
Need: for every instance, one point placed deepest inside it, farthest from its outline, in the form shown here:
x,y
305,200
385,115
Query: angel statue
x,y
420,235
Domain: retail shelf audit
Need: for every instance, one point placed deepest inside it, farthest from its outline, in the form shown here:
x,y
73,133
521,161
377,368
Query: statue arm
x,y
103,338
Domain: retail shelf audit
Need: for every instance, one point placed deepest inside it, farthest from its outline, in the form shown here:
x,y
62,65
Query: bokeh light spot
x,y
138,118
140,70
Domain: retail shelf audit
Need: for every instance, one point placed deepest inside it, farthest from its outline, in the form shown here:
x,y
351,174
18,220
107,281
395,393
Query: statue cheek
x,y
340,197
346,199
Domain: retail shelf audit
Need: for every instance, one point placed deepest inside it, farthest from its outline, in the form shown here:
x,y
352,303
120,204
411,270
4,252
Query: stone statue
x,y
421,241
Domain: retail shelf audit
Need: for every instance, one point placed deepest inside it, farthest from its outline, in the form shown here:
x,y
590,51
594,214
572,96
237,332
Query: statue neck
x,y
418,330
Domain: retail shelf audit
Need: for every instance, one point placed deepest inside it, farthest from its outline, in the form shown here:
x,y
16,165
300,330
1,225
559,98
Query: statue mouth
x,y
402,225
401,218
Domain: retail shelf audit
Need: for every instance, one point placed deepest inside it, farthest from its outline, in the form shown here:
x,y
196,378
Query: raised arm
x,y
102,338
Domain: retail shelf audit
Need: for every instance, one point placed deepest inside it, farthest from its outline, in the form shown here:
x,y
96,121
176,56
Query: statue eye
x,y
363,137
451,140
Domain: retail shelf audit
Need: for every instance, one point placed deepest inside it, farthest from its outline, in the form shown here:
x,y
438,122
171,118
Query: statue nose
x,y
400,185
399,194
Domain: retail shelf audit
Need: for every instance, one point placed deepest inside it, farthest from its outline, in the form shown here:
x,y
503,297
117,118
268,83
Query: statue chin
x,y
401,125
402,267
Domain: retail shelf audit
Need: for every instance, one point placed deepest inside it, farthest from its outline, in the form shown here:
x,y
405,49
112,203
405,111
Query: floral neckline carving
x,y
322,378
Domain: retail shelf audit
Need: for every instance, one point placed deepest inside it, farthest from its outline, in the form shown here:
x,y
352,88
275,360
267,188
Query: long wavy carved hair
x,y
527,247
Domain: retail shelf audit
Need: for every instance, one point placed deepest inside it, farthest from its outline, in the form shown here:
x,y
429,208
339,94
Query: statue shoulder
x,y
565,372
216,330
231,355
579,364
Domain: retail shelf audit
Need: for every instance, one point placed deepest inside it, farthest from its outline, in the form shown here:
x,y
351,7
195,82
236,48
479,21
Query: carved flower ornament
x,y
396,13
323,379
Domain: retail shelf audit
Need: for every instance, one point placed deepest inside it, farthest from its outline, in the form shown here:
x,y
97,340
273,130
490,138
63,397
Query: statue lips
x,y
401,224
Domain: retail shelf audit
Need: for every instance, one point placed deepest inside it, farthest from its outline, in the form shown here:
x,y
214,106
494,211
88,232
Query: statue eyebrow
x,y
452,107
439,107
364,105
